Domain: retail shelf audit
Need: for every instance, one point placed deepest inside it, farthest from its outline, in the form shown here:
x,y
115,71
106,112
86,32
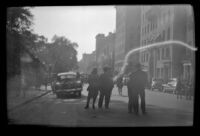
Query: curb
x,y
28,101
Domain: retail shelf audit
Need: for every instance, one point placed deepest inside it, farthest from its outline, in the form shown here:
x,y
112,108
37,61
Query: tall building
x,y
162,23
128,20
105,50
88,62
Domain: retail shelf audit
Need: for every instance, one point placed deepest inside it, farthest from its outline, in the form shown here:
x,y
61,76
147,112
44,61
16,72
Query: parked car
x,y
67,83
157,84
170,86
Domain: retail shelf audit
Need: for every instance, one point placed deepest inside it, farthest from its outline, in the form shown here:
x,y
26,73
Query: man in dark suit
x,y
136,87
106,86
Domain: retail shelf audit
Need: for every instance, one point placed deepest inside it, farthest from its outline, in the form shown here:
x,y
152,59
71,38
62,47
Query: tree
x,y
19,20
61,54
65,54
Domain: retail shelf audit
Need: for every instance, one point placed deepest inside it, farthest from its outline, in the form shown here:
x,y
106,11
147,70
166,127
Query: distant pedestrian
x,y
136,87
24,85
106,86
93,88
120,85
179,88
189,90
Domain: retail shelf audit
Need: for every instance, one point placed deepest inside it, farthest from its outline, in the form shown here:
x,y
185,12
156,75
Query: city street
x,y
52,49
162,110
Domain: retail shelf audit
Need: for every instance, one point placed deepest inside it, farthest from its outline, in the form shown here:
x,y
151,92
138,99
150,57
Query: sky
x,y
79,24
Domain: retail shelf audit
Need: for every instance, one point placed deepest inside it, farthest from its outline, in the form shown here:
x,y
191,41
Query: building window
x,y
155,25
147,29
189,52
145,57
143,31
163,53
167,52
158,57
187,72
168,33
168,14
142,57
164,21
163,35
158,72
162,72
167,18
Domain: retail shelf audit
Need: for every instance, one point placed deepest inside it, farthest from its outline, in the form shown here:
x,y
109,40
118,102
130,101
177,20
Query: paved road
x,y
163,110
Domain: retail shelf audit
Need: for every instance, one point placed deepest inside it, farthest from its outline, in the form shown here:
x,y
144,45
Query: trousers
x,y
104,94
133,103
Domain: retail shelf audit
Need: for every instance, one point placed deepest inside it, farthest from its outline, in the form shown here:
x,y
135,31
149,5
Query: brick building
x,y
162,23
105,50
88,62
128,23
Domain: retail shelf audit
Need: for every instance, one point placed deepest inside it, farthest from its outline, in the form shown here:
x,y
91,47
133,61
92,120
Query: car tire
x,y
79,94
58,95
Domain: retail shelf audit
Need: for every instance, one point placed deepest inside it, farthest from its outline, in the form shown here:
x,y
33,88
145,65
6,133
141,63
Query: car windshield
x,y
157,80
66,78
172,80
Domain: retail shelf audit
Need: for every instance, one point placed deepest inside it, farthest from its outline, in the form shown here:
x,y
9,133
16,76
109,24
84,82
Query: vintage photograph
x,y
101,66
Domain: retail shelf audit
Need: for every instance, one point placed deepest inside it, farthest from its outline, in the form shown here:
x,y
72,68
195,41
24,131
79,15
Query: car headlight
x,y
57,83
78,82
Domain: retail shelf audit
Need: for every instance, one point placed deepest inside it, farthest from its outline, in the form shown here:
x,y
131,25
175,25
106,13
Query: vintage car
x,y
170,86
67,83
157,84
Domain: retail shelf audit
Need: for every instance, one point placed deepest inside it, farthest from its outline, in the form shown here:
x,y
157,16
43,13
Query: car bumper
x,y
169,89
68,90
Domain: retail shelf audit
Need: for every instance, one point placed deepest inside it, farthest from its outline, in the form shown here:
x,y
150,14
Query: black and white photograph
x,y
101,65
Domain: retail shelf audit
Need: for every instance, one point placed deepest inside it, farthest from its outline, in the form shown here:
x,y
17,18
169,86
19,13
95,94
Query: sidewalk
x,y
13,101
161,99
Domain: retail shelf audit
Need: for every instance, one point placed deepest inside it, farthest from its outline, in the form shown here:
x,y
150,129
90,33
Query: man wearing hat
x,y
136,87
106,86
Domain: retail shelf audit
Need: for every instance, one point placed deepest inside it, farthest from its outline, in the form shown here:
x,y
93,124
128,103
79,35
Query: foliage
x,y
60,54
19,19
20,39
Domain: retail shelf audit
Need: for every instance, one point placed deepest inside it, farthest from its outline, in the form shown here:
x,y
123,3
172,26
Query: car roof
x,y
66,73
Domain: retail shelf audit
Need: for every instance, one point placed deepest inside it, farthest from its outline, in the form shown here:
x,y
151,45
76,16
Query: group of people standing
x,y
104,84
